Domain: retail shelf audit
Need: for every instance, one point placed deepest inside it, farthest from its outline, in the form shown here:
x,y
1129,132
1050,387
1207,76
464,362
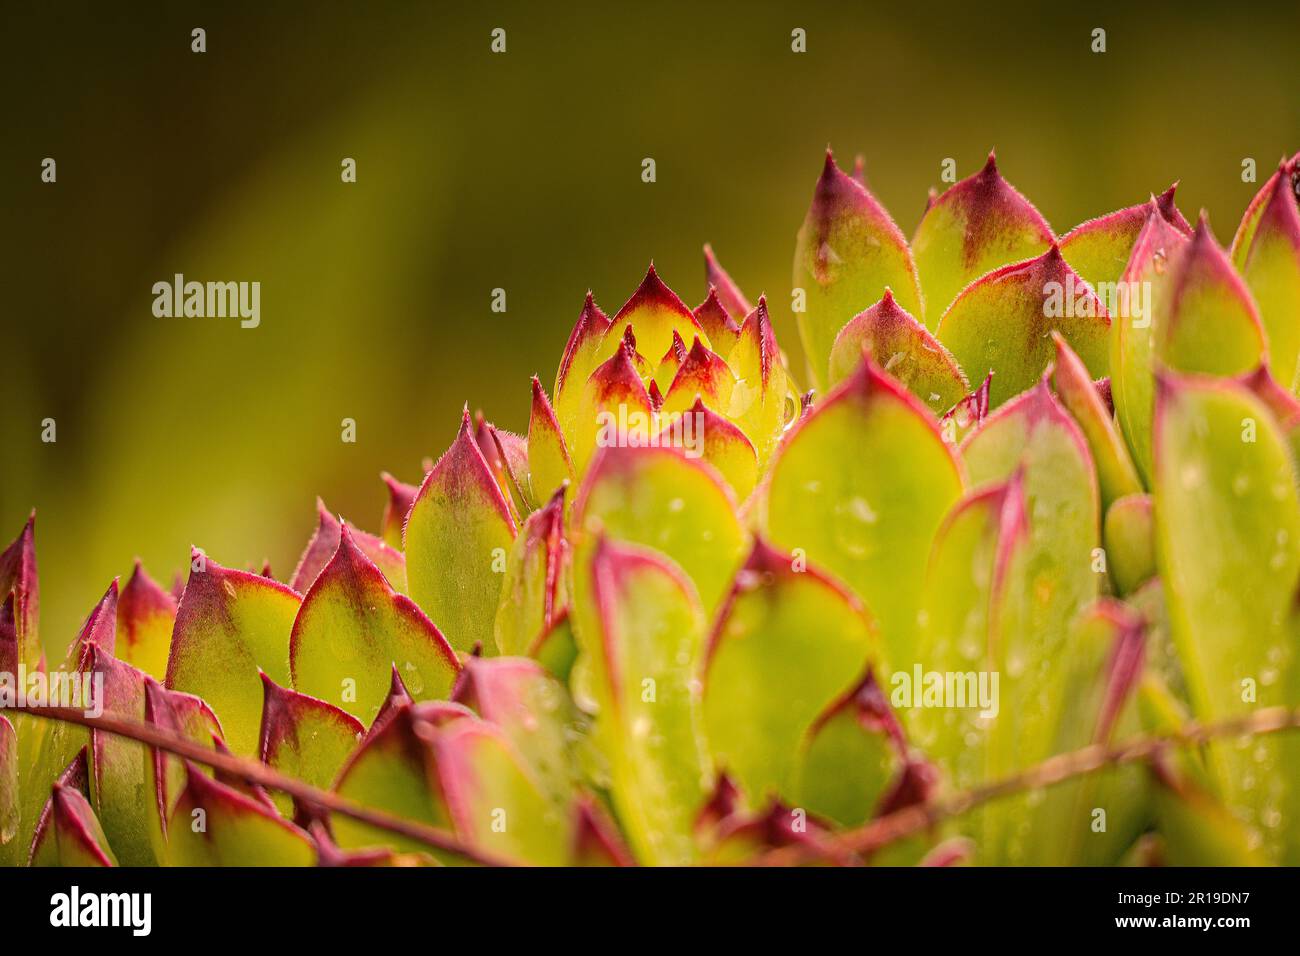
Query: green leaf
x,y
1116,474
616,409
639,629
549,465
400,498
186,716
582,355
1099,249
389,772
717,322
18,575
903,347
870,525
1228,547
970,599
758,399
535,713
10,850
229,625
848,252
73,836
762,641
533,593
979,224
850,756
1129,535
304,737
146,616
727,294
703,375
216,825
457,537
325,542
122,787
1267,252
659,498
1003,322
353,627
719,443
655,312
1199,831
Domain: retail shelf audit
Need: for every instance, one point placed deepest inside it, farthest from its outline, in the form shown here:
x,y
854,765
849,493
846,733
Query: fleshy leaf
x,y
1099,249
655,312
1130,543
1116,474
729,295
978,225
216,825
722,445
73,836
534,712
703,374
852,753
533,593
189,717
847,253
1002,323
400,498
758,398
1210,323
582,355
640,635
146,615
325,542
967,414
717,322
304,737
616,409
763,639
868,523
659,498
1228,546
457,536
98,630
353,627
1267,252
11,853
595,840
18,574
903,347
549,465
230,624
506,455
120,768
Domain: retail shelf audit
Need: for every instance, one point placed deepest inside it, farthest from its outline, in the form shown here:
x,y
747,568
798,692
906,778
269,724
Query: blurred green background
x,y
477,171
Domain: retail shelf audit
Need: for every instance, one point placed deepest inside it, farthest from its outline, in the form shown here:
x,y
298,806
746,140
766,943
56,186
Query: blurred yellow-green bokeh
x,y
477,171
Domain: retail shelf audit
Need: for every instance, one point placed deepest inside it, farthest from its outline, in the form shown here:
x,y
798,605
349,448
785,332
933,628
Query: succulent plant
x,y
1033,531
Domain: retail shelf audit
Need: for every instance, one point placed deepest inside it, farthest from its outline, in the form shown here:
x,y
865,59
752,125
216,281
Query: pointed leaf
x,y
1003,323
903,347
728,293
216,825
18,574
655,312
325,541
73,836
717,322
703,374
616,409
762,641
870,525
1267,251
533,593
458,533
639,632
978,225
146,615
304,738
230,624
11,853
353,627
549,465
1116,474
848,251
1228,546
758,398
721,444
400,498
1099,249
582,355
659,498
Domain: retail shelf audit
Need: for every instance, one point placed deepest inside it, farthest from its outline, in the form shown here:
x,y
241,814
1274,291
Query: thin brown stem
x,y
254,772
903,823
